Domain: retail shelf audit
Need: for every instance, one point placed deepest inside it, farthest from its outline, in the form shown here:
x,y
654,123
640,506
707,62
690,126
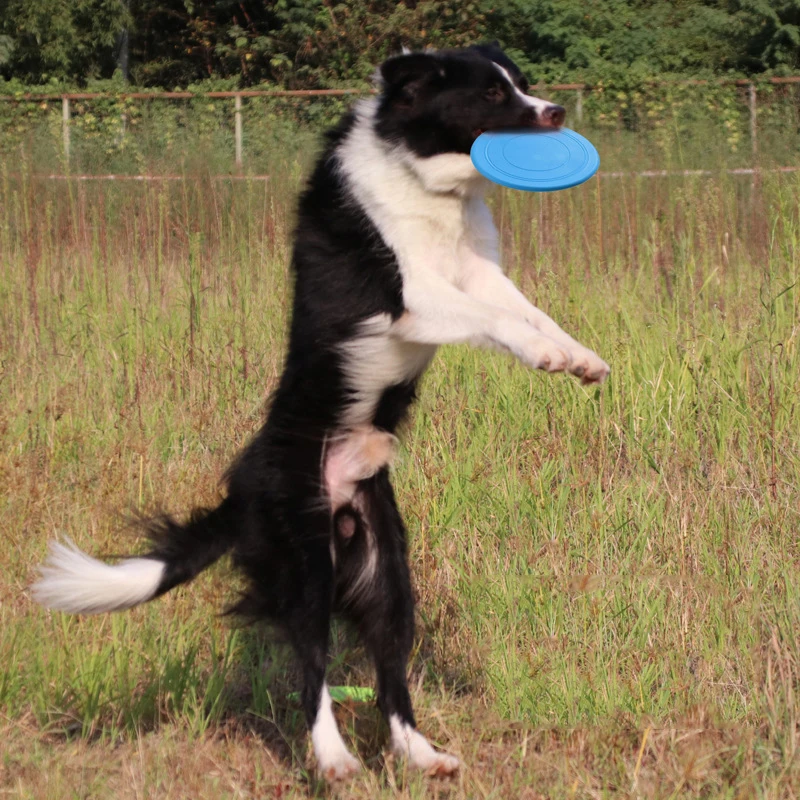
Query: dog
x,y
395,253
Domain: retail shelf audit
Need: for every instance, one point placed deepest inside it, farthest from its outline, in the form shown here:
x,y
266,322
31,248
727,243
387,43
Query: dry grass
x,y
607,579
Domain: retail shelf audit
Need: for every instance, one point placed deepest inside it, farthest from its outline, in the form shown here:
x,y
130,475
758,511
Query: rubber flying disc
x,y
536,161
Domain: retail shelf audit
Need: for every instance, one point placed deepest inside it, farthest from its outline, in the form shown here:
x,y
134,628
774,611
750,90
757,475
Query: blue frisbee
x,y
536,161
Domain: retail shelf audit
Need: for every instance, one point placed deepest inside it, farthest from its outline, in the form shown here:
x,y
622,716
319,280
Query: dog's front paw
x,y
588,366
542,352
339,767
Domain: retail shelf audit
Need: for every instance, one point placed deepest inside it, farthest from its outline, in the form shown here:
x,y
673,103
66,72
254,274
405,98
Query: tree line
x,y
329,43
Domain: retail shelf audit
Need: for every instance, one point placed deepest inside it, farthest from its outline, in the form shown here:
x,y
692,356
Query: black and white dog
x,y
395,253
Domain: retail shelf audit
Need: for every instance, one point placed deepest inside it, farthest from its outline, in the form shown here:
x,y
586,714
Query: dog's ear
x,y
405,75
488,49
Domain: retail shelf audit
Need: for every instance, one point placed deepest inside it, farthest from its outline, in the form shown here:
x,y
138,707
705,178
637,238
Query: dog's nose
x,y
553,116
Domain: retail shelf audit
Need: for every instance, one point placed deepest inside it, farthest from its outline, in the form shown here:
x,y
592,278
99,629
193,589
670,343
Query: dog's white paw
x,y
442,765
587,365
338,767
410,744
551,349
542,352
334,762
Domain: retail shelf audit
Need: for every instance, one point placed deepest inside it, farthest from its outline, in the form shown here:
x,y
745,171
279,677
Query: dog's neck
x,y
447,174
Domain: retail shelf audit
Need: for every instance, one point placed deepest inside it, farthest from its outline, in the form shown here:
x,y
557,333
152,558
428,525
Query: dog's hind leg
x,y
334,761
384,613
308,625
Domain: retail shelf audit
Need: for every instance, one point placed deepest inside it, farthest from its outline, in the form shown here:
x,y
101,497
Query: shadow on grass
x,y
246,689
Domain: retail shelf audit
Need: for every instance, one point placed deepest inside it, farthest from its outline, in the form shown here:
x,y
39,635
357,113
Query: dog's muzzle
x,y
549,117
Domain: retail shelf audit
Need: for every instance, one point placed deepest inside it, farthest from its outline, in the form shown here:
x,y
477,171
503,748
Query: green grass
x,y
607,578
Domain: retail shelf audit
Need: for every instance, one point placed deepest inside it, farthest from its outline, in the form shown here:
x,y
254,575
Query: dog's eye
x,y
495,95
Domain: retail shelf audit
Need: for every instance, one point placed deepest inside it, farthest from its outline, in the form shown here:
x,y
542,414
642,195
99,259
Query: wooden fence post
x,y
751,96
579,106
238,129
65,125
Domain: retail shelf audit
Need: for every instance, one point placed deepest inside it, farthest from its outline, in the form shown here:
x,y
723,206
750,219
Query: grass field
x,y
607,578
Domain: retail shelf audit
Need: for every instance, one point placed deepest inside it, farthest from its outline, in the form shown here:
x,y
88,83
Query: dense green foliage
x,y
301,43
65,39
586,38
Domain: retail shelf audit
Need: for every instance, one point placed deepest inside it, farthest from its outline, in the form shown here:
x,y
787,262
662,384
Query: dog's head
x,y
440,101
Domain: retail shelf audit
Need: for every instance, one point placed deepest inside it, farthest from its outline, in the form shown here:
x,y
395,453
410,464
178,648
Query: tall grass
x,y
607,578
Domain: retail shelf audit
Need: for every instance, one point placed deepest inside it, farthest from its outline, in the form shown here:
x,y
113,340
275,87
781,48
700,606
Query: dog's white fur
x,y
334,761
74,582
534,102
374,360
411,744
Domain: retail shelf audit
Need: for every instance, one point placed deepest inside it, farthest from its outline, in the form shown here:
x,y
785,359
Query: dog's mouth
x,y
550,119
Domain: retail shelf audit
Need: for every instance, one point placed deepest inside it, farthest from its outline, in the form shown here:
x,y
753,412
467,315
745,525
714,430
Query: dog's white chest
x,y
374,362
431,214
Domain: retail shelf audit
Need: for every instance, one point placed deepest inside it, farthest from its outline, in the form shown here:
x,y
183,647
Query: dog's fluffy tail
x,y
74,582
